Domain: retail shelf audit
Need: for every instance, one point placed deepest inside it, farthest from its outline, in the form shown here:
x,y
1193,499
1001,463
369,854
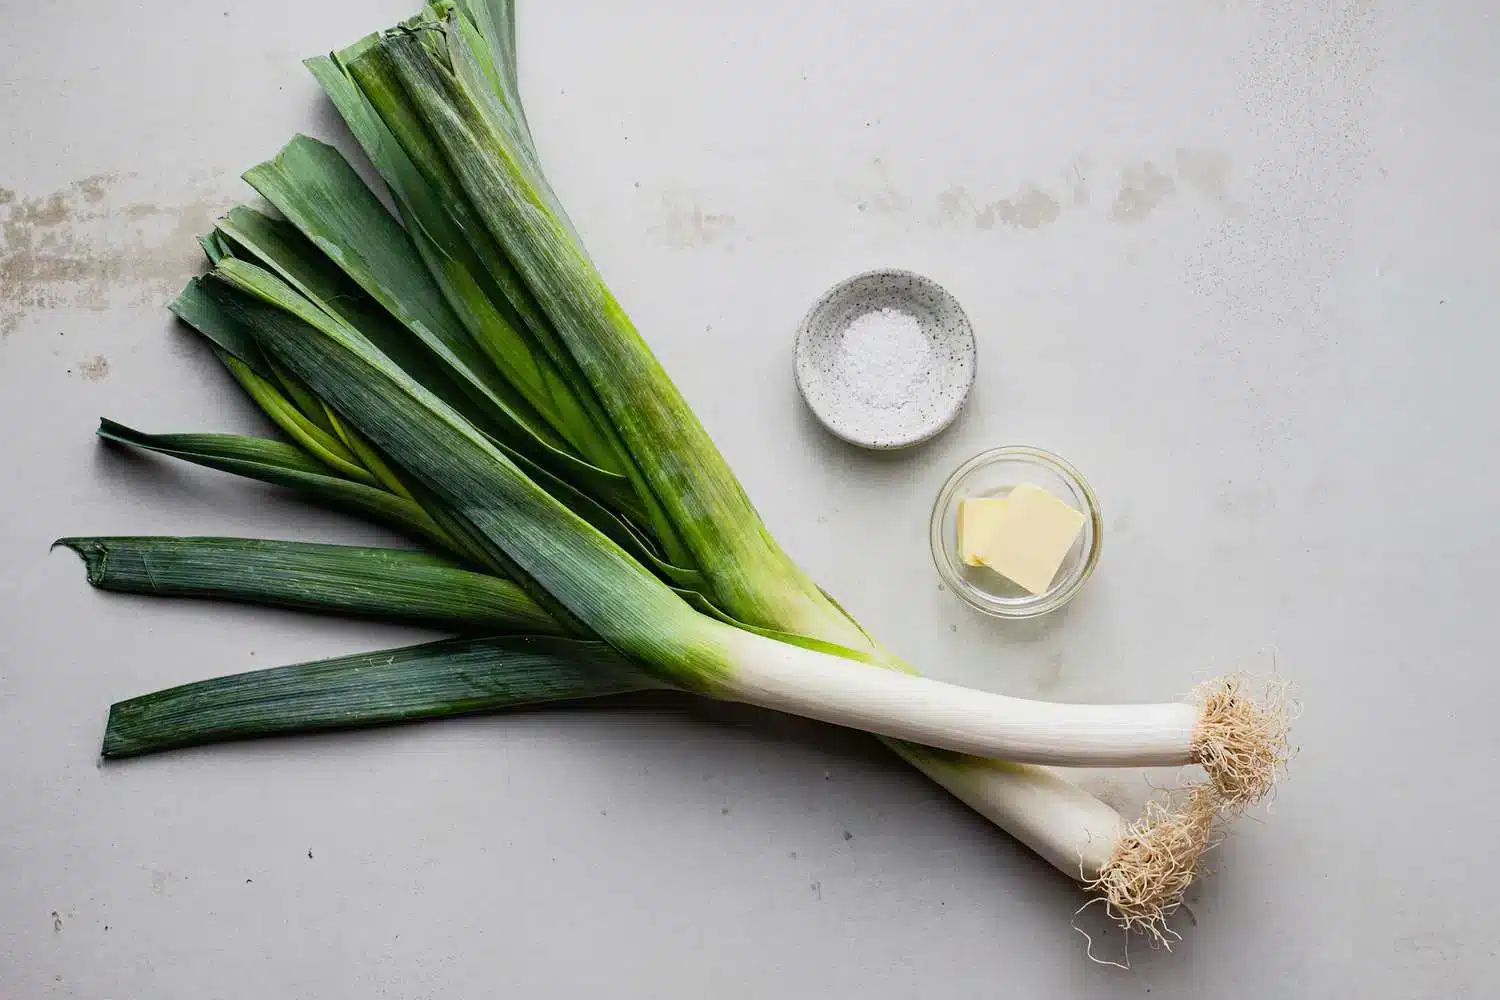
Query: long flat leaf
x,y
382,583
368,456
282,249
322,445
478,281
496,23
468,264
261,301
306,403
282,464
301,418
623,532
212,248
433,680
196,306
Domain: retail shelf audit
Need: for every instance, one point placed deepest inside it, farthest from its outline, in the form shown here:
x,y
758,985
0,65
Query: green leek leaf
x,y
620,530
393,584
282,464
283,250
307,404
213,247
433,680
197,306
323,446
397,96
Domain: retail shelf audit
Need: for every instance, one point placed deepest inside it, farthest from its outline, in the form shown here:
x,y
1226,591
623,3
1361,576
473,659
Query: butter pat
x,y
1025,537
976,517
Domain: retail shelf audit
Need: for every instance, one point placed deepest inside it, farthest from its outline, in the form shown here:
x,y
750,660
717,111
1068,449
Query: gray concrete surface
x,y
1235,260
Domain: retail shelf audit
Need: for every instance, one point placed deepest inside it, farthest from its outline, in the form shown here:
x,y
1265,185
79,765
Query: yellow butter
x,y
1026,537
975,517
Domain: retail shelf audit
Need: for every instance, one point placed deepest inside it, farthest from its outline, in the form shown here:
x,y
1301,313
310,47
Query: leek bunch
x,y
460,372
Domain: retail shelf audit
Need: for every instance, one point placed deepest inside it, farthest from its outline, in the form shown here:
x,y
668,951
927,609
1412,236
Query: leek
x,y
465,374
1065,826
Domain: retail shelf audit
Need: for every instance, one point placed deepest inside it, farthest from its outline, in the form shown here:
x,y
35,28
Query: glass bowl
x,y
994,474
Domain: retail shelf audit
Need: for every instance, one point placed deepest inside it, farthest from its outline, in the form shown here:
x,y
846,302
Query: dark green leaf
x,y
394,584
454,677
282,464
197,306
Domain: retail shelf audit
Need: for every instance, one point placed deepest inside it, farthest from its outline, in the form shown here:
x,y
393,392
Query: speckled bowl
x,y
915,404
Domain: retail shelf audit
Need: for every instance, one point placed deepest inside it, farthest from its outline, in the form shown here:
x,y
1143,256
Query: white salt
x,y
883,355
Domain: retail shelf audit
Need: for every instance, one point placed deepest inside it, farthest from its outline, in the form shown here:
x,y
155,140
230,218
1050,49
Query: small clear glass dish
x,y
994,474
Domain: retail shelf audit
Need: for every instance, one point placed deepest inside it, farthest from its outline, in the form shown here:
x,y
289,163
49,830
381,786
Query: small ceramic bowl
x,y
885,359
993,474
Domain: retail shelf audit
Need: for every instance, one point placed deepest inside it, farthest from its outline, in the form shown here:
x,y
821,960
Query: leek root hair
x,y
1241,738
1156,859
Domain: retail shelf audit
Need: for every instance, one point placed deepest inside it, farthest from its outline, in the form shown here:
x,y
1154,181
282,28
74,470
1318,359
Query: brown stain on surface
x,y
1143,186
73,249
1028,208
94,369
684,225
1205,171
954,204
94,187
51,211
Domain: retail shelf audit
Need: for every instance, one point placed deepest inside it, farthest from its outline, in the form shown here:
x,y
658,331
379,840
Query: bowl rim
x,y
927,433
1043,603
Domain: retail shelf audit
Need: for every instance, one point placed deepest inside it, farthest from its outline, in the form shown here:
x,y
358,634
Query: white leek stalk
x,y
1140,870
1235,740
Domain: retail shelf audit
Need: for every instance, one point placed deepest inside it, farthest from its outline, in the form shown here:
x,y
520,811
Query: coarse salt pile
x,y
883,356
